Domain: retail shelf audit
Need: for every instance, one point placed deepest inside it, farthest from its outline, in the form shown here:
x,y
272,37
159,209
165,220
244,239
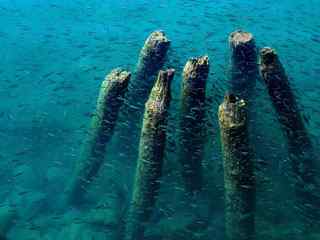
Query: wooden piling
x,y
8,216
151,59
239,179
150,160
301,152
110,99
244,65
192,121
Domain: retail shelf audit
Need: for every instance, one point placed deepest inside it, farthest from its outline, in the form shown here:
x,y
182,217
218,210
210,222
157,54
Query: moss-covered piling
x,y
150,160
192,121
151,59
244,65
301,152
239,179
110,99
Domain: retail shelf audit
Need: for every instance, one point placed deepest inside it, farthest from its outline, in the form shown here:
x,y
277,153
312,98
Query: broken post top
x,y
268,56
157,43
160,94
244,50
112,89
117,77
196,69
241,38
270,65
232,112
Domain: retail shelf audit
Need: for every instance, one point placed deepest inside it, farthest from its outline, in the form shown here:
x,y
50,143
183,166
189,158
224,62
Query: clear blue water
x,y
55,55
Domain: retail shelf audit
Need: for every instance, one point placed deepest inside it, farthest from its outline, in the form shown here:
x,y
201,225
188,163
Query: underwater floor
x,y
188,178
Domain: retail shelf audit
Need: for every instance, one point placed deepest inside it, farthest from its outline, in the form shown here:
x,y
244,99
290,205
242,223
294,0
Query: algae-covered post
x,y
150,160
151,59
239,179
192,119
301,152
110,99
244,66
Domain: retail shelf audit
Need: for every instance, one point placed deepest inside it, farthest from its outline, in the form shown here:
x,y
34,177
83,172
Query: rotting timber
x,y
151,155
103,122
192,122
244,64
239,177
300,148
151,59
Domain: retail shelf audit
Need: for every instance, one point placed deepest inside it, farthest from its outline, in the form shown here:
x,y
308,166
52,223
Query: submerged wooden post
x,y
151,59
110,99
192,119
244,65
301,152
8,216
150,160
239,179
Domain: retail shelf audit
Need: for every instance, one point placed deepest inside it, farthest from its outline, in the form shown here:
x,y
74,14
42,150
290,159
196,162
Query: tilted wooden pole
x,y
192,122
301,152
110,99
239,177
244,64
150,160
151,59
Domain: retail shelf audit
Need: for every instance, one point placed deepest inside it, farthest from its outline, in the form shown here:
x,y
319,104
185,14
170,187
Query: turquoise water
x,y
55,55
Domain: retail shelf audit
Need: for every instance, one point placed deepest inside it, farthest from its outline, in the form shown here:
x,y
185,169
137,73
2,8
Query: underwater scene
x,y
160,120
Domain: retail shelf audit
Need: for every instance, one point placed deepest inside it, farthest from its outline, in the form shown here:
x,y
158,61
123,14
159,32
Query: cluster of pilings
x,y
149,92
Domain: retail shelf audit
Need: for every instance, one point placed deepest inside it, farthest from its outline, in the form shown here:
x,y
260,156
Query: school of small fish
x,y
55,54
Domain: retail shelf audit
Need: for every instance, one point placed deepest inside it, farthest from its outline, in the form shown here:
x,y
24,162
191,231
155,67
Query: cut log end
x,y
157,41
268,56
119,76
159,36
241,38
232,112
196,66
